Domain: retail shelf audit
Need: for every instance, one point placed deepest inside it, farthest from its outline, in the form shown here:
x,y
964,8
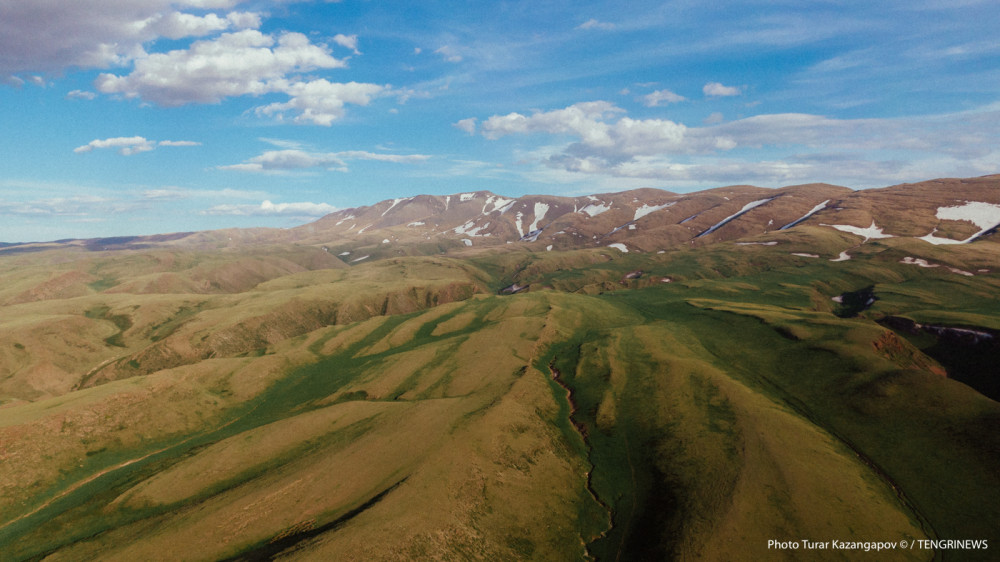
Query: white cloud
x,y
267,208
177,193
130,145
449,54
82,95
596,24
584,119
125,145
714,119
278,161
242,63
178,143
281,143
347,41
775,148
467,125
76,206
319,102
715,90
50,36
661,97
246,63
176,25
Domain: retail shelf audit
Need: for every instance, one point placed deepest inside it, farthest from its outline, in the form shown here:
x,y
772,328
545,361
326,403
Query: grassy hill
x,y
273,400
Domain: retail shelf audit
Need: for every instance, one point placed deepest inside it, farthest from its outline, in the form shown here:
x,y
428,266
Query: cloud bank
x,y
130,145
776,148
283,161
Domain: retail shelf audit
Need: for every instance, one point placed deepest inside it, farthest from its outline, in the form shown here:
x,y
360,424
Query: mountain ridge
x,y
644,219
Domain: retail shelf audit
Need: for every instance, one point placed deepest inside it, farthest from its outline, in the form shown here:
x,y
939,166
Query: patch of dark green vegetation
x,y
854,303
970,355
103,284
165,329
121,321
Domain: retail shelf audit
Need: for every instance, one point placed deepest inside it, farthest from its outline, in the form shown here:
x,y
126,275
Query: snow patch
x,y
396,202
619,246
467,196
647,209
868,233
594,210
918,261
344,254
812,212
345,219
518,223
924,263
385,241
416,223
984,215
771,243
844,256
506,207
447,201
363,229
540,210
499,203
471,229
548,248
466,241
361,258
802,255
746,208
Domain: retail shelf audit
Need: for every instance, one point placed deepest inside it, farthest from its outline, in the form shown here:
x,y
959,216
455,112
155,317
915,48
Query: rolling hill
x,y
621,376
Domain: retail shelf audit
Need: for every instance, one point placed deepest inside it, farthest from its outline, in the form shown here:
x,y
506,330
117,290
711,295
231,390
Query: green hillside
x,y
688,404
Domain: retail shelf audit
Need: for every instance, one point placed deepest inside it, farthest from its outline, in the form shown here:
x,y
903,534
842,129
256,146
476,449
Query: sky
x,y
132,117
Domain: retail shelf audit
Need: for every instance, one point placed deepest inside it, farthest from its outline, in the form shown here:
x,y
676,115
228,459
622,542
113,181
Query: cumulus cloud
x,y
267,208
49,36
241,63
467,125
246,63
595,24
176,25
661,97
585,119
347,41
281,161
130,145
319,102
717,90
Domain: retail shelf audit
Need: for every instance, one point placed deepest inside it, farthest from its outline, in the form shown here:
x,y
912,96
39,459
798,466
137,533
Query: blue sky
x,y
124,117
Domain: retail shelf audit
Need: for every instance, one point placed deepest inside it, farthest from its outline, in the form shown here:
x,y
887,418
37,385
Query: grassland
x,y
402,409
